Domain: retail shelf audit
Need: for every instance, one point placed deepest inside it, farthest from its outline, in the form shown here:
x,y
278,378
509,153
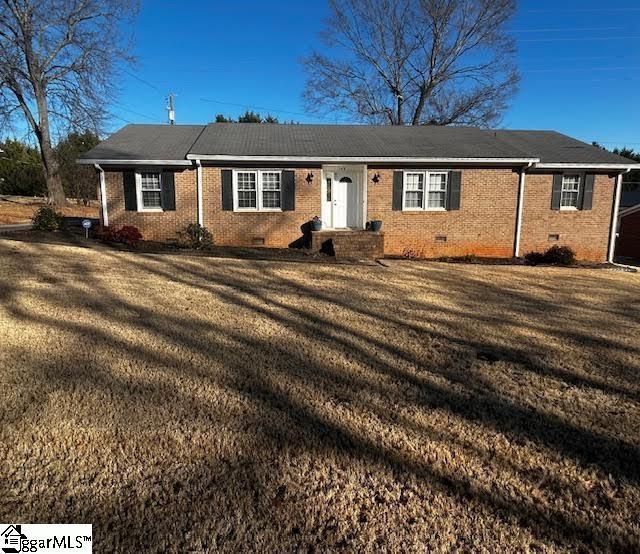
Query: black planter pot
x,y
375,225
316,225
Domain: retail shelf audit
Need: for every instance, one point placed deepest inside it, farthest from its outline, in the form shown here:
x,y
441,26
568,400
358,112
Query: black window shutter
x,y
587,194
580,191
227,190
556,191
398,178
288,188
453,190
130,196
168,195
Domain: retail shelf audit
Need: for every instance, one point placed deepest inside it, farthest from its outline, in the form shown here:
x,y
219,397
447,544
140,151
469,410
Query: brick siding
x,y
587,232
274,229
158,226
483,226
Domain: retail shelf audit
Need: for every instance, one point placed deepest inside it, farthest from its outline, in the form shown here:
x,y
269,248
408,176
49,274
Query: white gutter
x,y
520,209
614,219
103,196
617,167
199,192
358,160
83,161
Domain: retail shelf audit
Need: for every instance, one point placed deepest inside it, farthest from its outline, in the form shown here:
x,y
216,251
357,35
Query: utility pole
x,y
172,114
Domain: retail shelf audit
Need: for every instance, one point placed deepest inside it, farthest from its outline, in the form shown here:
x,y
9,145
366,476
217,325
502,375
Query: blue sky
x,y
580,64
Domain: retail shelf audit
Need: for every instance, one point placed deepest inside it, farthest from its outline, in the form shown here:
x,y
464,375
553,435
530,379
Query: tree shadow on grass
x,y
296,398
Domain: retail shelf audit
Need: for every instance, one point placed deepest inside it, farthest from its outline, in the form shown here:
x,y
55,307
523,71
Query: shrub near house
x,y
47,219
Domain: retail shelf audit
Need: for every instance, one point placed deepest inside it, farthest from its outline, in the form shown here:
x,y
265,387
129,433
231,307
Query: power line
x,y
553,30
111,114
587,10
575,59
615,142
140,114
586,80
143,81
578,39
579,69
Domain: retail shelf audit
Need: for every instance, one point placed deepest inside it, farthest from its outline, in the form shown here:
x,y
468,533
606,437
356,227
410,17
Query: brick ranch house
x,y
439,191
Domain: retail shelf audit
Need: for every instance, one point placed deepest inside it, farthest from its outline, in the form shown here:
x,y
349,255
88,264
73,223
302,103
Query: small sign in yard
x,y
86,223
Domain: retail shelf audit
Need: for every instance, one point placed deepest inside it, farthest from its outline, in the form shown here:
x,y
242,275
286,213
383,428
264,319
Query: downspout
x,y
520,208
199,191
614,218
103,195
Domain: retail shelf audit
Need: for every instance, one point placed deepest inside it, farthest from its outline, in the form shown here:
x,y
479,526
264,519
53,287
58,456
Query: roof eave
x,y
578,165
93,161
353,159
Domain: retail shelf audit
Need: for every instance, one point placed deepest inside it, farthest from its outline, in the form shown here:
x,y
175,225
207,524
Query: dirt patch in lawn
x,y
21,209
200,404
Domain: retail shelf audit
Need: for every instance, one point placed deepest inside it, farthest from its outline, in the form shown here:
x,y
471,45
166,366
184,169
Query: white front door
x,y
340,199
344,199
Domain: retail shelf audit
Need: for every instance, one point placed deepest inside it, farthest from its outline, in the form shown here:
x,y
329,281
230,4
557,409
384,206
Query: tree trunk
x,y
400,99
52,175
49,160
420,107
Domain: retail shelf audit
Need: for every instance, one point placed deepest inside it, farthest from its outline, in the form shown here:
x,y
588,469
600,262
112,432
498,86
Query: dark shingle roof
x,y
356,141
147,142
553,147
164,142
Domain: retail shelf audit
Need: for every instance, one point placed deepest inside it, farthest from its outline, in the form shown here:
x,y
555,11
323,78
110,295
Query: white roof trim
x,y
625,167
342,159
86,161
630,210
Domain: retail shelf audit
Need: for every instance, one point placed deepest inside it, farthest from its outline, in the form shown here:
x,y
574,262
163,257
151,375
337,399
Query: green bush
x,y
195,236
556,255
47,219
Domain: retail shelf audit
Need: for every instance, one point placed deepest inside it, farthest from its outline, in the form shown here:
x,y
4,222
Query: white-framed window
x,y
437,191
257,190
270,191
570,192
149,191
413,191
415,197
247,190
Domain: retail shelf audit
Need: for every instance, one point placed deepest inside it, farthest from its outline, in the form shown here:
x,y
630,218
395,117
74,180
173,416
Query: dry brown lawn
x,y
21,210
192,404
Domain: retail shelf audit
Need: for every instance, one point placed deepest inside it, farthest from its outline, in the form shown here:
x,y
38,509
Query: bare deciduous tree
x,y
58,59
443,62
